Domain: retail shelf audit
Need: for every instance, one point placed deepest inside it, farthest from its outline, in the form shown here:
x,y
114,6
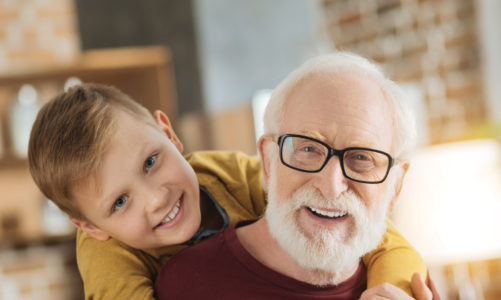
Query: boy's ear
x,y
90,229
398,187
164,124
262,144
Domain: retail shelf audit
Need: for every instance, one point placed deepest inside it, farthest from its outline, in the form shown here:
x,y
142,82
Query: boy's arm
x,y
111,270
393,261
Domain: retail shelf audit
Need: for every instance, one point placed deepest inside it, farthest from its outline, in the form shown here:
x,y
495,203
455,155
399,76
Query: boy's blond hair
x,y
69,136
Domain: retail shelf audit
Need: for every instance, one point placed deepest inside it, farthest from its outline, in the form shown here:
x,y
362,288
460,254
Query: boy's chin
x,y
187,231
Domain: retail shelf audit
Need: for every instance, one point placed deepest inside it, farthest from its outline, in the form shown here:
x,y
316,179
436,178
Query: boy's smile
x,y
172,217
144,194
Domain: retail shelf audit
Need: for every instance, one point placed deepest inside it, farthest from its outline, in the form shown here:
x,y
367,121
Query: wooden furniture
x,y
143,73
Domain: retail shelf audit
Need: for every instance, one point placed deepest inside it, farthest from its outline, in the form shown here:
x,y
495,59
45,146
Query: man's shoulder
x,y
195,263
200,254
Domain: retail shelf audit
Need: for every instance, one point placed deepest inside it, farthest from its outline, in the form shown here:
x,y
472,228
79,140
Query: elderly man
x,y
333,159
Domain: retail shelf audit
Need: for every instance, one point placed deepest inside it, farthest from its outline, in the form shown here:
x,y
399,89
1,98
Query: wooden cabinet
x,y
144,73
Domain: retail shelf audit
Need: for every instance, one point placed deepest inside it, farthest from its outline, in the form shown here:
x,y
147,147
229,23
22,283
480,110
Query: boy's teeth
x,y
172,214
329,214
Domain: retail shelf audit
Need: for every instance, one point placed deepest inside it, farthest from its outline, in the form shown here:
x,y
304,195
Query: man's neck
x,y
257,240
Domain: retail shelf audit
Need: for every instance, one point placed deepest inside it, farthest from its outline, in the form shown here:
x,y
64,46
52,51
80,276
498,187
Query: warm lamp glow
x,y
259,102
450,204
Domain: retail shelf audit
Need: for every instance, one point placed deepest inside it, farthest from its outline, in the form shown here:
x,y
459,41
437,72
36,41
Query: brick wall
x,y
37,33
433,43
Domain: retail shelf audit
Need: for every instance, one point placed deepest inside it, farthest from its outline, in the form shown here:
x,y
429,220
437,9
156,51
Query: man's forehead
x,y
331,138
352,108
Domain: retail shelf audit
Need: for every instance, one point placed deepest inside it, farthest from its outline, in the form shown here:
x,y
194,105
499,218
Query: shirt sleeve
x,y
111,270
393,261
254,179
233,178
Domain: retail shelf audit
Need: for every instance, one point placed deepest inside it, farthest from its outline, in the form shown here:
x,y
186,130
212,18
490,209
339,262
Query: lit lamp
x,y
450,204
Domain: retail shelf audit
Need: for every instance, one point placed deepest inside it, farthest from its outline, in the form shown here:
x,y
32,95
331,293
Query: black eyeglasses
x,y
310,155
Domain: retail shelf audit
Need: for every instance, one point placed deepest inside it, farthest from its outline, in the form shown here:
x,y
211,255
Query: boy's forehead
x,y
128,139
127,120
144,117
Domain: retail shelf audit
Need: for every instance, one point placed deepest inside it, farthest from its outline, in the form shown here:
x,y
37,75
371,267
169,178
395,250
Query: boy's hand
x,y
422,291
386,291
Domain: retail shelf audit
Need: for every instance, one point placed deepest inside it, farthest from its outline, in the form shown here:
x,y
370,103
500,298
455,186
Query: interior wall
x,y
245,46
490,37
116,23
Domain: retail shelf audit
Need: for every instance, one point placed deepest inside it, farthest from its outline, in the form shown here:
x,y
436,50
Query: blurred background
x,y
211,64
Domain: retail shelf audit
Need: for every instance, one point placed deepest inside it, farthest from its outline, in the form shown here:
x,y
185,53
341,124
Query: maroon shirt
x,y
221,268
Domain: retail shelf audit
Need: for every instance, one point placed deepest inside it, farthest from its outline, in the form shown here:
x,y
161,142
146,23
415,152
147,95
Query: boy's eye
x,y
119,203
150,162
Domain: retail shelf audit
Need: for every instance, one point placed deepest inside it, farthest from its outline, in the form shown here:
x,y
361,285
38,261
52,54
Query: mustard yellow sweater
x,y
113,270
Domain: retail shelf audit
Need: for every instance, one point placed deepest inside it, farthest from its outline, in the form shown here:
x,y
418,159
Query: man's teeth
x,y
172,214
328,214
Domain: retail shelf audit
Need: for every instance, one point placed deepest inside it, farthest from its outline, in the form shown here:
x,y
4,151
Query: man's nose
x,y
330,181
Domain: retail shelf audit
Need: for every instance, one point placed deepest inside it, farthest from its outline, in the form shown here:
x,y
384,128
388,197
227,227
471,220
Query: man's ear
x,y
164,124
404,164
262,145
90,229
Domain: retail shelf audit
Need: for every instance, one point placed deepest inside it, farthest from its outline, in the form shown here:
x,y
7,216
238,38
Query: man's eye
x,y
150,162
361,157
119,203
310,149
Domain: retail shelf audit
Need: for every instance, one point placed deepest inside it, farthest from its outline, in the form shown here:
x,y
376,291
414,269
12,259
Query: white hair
x,y
341,63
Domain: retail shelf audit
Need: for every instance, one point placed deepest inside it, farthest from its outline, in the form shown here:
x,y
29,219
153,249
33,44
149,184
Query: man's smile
x,y
326,218
331,214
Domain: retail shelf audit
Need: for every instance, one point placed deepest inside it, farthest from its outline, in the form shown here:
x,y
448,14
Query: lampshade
x,y
450,204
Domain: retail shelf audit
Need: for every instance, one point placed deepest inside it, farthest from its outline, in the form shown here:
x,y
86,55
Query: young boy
x,y
119,174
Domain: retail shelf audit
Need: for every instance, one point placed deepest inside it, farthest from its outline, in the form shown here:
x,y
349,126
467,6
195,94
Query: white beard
x,y
325,250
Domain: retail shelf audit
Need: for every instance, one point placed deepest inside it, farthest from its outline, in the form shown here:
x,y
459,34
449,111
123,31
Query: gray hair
x,y
338,63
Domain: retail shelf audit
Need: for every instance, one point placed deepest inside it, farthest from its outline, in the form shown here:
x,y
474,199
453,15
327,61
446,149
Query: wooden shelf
x,y
8,161
144,73
23,242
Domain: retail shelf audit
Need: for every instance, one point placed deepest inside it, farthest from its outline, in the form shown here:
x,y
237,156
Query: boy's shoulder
x,y
131,270
94,256
230,167
221,160
234,179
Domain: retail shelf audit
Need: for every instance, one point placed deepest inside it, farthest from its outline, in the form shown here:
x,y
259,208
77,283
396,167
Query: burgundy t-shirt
x,y
220,268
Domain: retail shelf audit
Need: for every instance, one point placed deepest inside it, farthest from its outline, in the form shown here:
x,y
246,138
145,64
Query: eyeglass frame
x,y
333,152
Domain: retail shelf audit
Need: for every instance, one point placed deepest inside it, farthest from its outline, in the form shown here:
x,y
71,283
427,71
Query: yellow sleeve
x,y
232,178
111,270
393,261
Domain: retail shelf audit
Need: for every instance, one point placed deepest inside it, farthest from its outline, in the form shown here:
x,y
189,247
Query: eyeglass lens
x,y
310,155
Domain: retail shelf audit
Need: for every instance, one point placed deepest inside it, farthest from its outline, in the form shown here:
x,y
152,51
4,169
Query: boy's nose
x,y
155,199
330,181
